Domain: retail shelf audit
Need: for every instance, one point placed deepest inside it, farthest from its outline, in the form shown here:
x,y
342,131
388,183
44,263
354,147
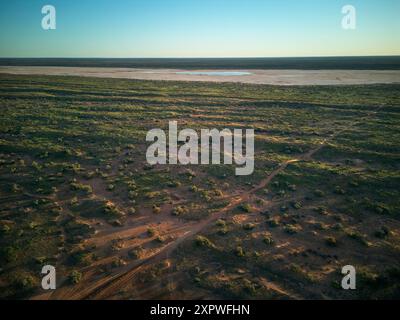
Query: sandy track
x,y
273,77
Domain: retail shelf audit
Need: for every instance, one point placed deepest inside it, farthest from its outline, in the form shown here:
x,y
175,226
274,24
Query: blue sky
x,y
198,28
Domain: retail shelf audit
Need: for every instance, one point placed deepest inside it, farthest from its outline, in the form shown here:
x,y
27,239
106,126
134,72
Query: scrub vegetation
x,y
76,191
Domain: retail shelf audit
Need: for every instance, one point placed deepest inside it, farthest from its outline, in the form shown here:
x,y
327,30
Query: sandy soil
x,y
275,77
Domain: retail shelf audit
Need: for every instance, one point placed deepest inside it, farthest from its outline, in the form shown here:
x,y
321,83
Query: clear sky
x,y
198,28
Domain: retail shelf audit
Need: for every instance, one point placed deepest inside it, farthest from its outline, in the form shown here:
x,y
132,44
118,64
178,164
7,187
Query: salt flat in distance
x,y
273,77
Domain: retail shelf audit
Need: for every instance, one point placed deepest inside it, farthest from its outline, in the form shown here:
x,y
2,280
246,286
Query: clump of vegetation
x,y
118,262
321,226
81,187
25,282
379,208
321,210
77,230
297,269
82,257
331,241
75,277
367,276
116,223
151,232
273,222
160,239
245,207
174,184
220,223
179,210
223,231
267,239
223,228
15,188
382,233
5,227
292,229
339,190
281,193
338,226
359,237
249,226
136,253
111,210
353,184
296,205
319,193
9,254
202,241
156,209
239,252
152,194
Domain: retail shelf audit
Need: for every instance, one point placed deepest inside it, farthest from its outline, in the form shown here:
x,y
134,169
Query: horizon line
x,y
211,57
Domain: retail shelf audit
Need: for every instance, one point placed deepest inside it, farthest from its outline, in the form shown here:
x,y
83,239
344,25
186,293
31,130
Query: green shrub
x,y
152,194
75,186
321,210
179,210
319,193
156,209
331,241
292,229
268,240
151,231
174,184
81,257
75,277
136,253
249,226
111,210
118,262
245,207
9,254
239,252
25,282
296,205
221,223
358,236
202,241
382,233
160,239
273,222
339,190
223,231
